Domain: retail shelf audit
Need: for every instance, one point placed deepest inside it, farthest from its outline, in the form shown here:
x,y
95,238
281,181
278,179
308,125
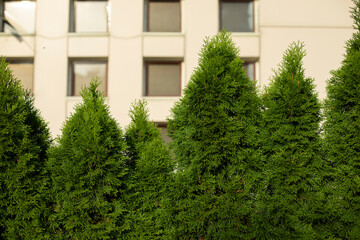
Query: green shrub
x,y
342,138
87,168
152,167
288,207
214,134
24,140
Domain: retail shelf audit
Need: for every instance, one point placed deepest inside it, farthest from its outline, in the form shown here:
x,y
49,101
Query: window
x,y
163,16
237,15
163,78
17,16
24,71
164,131
81,72
250,69
89,16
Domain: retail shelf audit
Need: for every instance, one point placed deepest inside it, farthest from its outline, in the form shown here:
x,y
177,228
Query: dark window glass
x,y
163,16
163,79
237,16
83,71
164,132
89,16
24,71
18,15
250,69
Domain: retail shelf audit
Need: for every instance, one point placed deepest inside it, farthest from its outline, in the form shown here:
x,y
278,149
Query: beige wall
x,y
50,61
323,25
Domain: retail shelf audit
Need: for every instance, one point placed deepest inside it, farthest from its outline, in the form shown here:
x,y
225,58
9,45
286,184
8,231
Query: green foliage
x,y
87,168
151,169
139,132
342,138
214,134
24,140
291,146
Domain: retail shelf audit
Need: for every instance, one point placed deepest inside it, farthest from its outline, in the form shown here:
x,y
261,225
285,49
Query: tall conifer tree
x,y
342,138
213,128
152,169
24,140
88,171
291,146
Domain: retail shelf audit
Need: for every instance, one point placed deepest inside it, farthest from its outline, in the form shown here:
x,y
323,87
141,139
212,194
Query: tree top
x,y
355,14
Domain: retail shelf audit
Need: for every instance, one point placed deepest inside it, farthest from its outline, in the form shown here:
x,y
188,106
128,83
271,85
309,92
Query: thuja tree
x,y
291,145
152,167
213,128
342,138
88,170
24,140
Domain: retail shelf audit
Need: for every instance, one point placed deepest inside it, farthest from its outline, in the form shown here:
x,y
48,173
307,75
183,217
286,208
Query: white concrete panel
x,y
249,44
324,46
88,46
71,102
163,46
50,74
50,63
125,79
126,18
159,109
12,47
201,20
305,13
52,18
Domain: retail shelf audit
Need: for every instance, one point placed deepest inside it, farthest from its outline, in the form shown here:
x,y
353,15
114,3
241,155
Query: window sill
x,y
74,98
6,34
245,34
159,98
163,34
88,34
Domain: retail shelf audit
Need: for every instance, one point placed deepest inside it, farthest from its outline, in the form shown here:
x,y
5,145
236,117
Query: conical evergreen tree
x,y
88,171
139,132
152,169
291,146
214,134
24,140
342,138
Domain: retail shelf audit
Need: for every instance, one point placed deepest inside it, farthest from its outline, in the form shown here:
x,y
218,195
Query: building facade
x,y
149,48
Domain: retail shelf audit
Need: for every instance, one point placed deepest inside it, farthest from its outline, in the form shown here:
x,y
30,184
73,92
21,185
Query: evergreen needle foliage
x,y
24,140
291,198
342,138
88,171
152,167
214,134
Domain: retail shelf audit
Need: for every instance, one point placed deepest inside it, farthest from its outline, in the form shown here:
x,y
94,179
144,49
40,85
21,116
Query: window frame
x,y
221,17
2,8
147,17
71,73
147,63
72,16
